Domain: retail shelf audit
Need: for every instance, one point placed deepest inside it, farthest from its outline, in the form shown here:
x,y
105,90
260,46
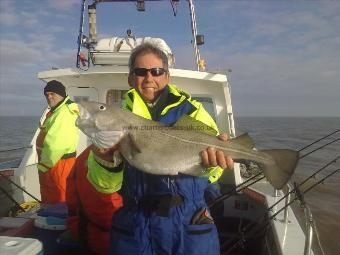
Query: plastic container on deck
x,y
48,234
10,245
58,210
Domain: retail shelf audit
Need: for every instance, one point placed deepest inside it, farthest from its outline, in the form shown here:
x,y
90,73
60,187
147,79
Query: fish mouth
x,y
83,115
84,121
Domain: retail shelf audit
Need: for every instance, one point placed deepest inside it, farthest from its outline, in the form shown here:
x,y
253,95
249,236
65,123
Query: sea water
x,y
267,132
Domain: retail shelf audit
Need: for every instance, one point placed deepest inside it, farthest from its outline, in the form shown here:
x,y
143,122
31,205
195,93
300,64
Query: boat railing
x,y
308,214
309,223
288,190
287,200
12,163
309,228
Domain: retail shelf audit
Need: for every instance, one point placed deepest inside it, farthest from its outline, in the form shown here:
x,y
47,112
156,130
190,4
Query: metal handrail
x,y
287,200
309,229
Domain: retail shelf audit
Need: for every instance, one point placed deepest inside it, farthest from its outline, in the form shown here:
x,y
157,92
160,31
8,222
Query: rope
x,y
24,207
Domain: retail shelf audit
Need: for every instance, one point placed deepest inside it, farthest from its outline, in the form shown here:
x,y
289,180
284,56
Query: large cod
x,y
157,149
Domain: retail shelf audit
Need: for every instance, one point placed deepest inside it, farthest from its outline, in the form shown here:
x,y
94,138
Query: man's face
x,y
53,99
148,86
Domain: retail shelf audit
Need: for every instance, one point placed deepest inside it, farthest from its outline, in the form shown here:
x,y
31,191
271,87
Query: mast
x,y
199,62
81,30
90,41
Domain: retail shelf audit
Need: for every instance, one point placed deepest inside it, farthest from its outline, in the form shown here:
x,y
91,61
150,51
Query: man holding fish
x,y
162,214
162,171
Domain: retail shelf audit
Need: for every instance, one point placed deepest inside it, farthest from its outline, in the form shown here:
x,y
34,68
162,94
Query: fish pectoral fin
x,y
188,123
244,140
283,167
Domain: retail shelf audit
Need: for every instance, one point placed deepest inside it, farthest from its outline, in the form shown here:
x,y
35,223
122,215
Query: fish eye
x,y
102,108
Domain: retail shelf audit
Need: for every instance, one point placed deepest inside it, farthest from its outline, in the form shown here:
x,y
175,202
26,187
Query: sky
x,y
284,56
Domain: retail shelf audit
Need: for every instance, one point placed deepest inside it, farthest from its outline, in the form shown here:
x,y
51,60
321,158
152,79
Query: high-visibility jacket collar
x,y
62,102
135,103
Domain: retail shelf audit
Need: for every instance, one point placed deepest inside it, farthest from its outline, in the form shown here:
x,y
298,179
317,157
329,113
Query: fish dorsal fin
x,y
244,140
188,123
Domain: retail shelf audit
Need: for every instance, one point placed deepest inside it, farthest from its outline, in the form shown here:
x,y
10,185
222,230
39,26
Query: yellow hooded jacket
x,y
58,137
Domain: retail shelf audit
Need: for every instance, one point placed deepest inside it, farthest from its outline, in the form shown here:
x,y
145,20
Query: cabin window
x,y
208,105
78,99
115,97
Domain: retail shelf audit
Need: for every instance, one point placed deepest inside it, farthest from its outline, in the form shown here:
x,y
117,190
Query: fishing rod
x,y
318,140
22,189
235,190
298,192
304,181
15,149
249,228
284,197
238,189
338,139
299,196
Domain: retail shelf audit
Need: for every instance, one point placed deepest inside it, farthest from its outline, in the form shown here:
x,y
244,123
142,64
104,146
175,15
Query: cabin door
x,y
78,94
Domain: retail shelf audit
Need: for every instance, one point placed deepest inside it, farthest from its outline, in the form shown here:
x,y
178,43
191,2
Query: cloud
x,y
184,57
22,60
7,11
283,62
29,19
16,53
266,84
284,55
64,4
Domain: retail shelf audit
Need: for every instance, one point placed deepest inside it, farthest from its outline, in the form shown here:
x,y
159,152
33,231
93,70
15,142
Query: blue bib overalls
x,y
158,210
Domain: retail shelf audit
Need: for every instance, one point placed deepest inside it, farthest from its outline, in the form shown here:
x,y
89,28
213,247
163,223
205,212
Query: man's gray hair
x,y
146,48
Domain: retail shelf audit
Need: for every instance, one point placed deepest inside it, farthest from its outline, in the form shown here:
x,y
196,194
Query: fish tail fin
x,y
279,173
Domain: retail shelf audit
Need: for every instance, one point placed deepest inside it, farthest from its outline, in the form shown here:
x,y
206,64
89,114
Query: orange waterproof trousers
x,y
53,182
90,211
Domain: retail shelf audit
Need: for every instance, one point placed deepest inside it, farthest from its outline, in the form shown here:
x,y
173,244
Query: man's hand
x,y
212,157
106,139
105,154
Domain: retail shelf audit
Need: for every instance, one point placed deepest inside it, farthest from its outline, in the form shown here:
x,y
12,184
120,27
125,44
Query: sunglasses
x,y
156,71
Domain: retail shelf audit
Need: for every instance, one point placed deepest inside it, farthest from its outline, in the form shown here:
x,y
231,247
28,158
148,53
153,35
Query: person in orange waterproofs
x,y
56,143
91,206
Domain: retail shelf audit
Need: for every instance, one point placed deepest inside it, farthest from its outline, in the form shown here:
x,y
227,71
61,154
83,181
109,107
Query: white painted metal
x,y
287,232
